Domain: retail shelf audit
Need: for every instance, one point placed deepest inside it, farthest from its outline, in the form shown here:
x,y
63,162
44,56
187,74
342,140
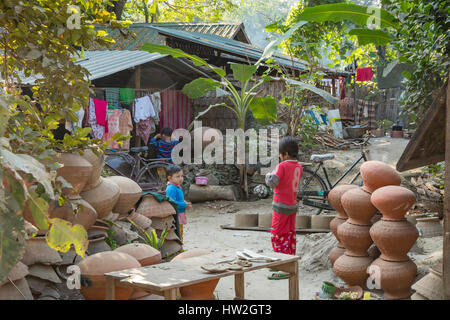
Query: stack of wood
x,y
428,192
162,215
328,140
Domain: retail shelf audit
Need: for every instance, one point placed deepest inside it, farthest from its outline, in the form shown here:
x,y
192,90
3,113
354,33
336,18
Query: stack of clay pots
x,y
394,237
334,198
354,233
161,215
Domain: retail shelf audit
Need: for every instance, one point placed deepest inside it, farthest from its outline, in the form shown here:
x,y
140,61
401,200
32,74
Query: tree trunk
x,y
144,4
117,8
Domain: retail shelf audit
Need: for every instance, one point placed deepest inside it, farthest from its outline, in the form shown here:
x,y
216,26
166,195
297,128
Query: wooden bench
x,y
165,279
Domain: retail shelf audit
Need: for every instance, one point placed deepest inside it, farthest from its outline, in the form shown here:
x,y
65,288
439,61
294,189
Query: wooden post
x,y
239,286
446,247
137,85
110,288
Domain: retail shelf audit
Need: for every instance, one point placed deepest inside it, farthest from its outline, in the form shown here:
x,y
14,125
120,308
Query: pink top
x,y
101,107
289,172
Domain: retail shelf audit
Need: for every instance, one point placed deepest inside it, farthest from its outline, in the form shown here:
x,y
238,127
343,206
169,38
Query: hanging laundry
x,y
113,127
125,126
156,100
126,96
143,109
364,74
342,88
72,126
101,116
97,130
112,97
175,110
144,129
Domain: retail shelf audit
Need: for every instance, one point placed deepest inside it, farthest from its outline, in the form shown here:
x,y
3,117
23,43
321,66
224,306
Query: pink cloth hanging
x,y
364,74
101,115
175,110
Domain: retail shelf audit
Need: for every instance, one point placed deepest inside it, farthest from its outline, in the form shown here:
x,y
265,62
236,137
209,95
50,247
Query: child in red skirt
x,y
285,180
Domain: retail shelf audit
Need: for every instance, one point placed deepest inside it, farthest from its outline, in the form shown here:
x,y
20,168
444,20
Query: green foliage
x,y
385,124
422,39
199,87
63,235
151,239
307,131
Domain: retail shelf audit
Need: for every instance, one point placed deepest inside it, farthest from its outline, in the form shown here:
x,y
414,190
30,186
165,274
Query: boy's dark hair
x,y
167,131
172,169
289,145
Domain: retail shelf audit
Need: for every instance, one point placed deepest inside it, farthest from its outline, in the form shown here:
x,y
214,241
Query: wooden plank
x,y
239,286
170,294
110,288
446,244
294,292
182,273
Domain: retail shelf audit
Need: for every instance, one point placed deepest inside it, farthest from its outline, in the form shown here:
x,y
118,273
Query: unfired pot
x,y
145,254
334,224
97,162
335,253
76,170
103,198
353,270
355,238
393,201
130,193
335,195
85,216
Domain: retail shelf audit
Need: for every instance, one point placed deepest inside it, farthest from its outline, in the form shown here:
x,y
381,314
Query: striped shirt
x,y
164,147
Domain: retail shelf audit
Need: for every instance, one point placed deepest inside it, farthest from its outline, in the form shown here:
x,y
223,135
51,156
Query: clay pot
x,y
301,222
429,227
377,174
95,266
357,205
130,193
97,231
38,251
76,171
396,278
85,216
335,253
393,201
394,238
150,207
431,286
334,224
19,271
334,197
140,220
355,238
200,291
103,198
353,270
97,245
97,162
145,254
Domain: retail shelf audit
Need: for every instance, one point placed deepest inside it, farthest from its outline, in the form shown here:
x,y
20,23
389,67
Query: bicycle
x,y
314,190
149,174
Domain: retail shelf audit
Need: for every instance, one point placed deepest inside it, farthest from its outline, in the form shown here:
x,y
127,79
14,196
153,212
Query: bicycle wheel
x,y
313,191
153,177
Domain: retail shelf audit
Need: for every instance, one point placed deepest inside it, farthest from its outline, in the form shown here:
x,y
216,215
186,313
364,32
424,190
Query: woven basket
x,y
150,207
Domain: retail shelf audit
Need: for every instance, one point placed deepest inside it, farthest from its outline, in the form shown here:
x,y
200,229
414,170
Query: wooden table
x,y
165,279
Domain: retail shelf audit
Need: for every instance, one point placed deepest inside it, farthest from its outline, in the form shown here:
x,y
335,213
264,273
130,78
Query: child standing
x,y
174,192
285,180
164,143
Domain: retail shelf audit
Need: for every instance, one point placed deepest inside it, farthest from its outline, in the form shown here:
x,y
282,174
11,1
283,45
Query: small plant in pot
x,y
382,127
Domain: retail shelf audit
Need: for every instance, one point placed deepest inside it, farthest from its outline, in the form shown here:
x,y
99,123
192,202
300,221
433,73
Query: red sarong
x,y
283,235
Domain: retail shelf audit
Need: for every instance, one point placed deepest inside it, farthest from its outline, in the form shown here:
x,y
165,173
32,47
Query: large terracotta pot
x,y
393,201
200,291
76,170
334,224
377,174
103,198
130,193
355,238
95,266
335,195
98,245
335,253
394,238
38,251
357,205
145,254
140,220
97,162
396,278
353,270
85,216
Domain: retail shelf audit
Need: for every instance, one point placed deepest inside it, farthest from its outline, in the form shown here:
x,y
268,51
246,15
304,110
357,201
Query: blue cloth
x,y
164,147
176,195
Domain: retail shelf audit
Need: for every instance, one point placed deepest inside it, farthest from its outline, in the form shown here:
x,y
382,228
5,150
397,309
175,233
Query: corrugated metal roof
x,y
224,29
104,63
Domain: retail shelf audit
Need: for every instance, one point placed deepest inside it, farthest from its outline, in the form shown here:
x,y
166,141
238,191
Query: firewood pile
x,y
428,193
328,140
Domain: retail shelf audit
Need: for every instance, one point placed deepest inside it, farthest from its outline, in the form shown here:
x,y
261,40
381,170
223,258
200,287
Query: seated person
x,y
164,143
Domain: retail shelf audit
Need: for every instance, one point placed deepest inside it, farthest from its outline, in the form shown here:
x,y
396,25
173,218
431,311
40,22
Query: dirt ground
x,y
203,231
